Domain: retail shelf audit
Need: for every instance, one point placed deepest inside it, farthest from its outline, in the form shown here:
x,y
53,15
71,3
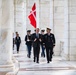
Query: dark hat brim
x,y
42,30
28,30
48,29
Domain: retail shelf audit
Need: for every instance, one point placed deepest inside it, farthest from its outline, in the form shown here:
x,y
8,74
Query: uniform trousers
x,y
49,53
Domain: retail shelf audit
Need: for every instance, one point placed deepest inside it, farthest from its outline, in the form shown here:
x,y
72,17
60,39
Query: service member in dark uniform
x,y
36,40
49,39
42,44
28,43
17,42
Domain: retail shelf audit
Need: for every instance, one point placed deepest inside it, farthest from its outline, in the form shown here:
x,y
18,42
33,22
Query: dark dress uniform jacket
x,y
49,40
28,37
42,42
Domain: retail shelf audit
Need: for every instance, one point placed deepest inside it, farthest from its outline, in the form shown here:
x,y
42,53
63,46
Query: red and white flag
x,y
32,16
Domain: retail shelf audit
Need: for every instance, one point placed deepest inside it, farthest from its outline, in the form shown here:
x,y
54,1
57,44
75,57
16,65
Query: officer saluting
x,y
49,40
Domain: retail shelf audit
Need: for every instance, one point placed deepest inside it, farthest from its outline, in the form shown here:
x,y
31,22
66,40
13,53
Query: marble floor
x,y
56,67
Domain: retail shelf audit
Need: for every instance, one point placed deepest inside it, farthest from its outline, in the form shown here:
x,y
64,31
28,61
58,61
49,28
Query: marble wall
x,y
72,29
65,52
0,8
44,10
58,23
69,52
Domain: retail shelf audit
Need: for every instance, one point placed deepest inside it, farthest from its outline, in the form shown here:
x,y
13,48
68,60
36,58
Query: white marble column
x,y
69,52
72,29
23,47
0,15
52,15
45,13
6,29
58,23
65,53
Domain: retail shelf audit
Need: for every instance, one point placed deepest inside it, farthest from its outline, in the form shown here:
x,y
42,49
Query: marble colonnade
x,y
6,29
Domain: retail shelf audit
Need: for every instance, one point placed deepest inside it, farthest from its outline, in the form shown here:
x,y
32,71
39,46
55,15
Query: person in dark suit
x,y
17,42
28,42
36,40
42,44
49,39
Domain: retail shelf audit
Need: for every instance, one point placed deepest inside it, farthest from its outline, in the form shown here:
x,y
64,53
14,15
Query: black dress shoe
x,y
48,62
29,57
34,60
37,61
41,55
44,55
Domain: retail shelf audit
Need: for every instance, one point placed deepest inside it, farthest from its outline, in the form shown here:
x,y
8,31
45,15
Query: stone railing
x,y
17,66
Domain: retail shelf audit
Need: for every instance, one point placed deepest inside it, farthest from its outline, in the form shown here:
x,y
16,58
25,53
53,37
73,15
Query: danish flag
x,y
32,16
